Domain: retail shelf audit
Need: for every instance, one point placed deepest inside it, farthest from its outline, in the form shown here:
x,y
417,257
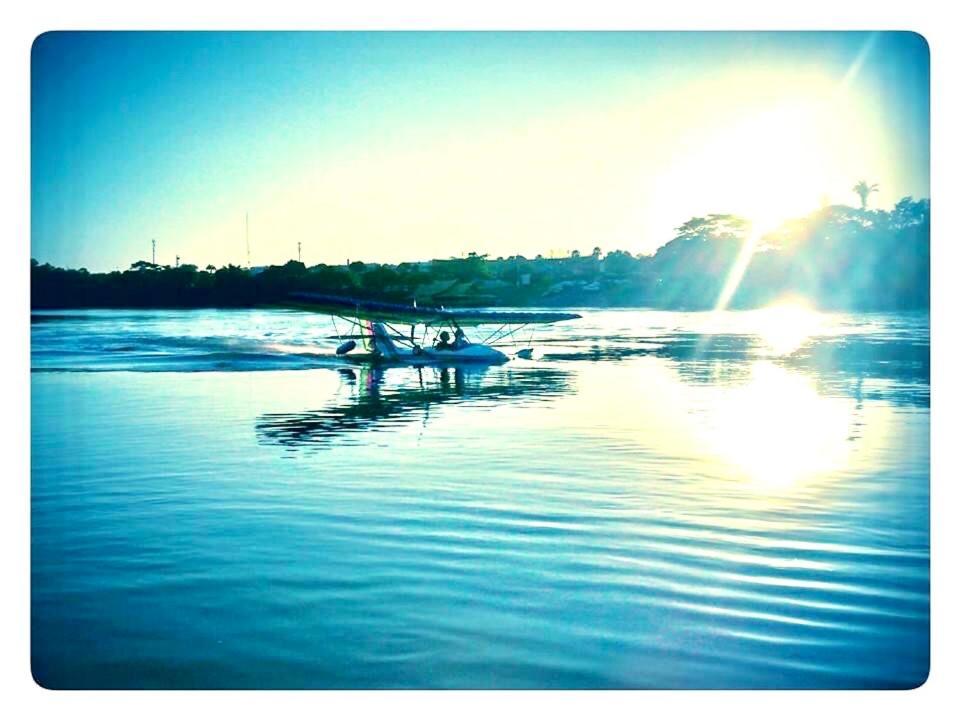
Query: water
x,y
661,500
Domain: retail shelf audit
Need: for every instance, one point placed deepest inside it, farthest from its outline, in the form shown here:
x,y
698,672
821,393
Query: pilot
x,y
444,342
459,339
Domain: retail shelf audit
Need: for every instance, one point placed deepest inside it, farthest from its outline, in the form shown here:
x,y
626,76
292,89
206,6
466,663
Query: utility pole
x,y
299,258
247,231
177,261
154,244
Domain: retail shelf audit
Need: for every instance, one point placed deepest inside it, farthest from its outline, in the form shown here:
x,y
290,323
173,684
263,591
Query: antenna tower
x,y
247,231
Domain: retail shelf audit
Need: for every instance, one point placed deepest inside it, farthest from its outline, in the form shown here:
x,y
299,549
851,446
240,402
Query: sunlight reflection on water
x,y
779,430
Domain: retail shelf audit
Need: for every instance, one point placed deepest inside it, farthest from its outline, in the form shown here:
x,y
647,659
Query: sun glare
x,y
786,325
784,169
778,431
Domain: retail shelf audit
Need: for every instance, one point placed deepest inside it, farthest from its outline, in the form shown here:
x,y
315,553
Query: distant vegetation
x,y
837,257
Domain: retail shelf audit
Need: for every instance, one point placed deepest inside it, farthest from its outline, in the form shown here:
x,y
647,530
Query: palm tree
x,y
864,190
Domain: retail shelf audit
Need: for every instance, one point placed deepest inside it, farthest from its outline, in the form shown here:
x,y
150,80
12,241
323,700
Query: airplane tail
x,y
382,341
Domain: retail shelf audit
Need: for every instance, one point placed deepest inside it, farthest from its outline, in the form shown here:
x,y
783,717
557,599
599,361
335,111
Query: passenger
x,y
444,342
459,339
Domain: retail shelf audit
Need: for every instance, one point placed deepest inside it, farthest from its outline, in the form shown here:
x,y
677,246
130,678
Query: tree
x,y
694,266
909,212
863,190
717,226
381,278
619,262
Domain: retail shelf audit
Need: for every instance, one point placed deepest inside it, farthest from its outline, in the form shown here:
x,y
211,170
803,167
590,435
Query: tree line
x,y
838,257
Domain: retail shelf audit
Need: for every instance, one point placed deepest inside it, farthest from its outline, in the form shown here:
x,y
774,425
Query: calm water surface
x,y
660,500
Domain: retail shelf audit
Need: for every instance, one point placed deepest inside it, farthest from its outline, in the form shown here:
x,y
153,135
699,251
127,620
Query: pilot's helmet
x,y
444,335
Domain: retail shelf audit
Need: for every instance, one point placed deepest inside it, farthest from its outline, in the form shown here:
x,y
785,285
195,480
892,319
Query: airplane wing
x,y
376,311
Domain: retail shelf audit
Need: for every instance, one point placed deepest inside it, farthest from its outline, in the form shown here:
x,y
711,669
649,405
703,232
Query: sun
x,y
771,164
777,162
773,159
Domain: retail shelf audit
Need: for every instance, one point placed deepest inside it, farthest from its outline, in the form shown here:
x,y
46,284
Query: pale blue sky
x,y
406,146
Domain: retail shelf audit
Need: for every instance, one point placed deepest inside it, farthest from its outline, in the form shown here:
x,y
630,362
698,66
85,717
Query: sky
x,y
389,147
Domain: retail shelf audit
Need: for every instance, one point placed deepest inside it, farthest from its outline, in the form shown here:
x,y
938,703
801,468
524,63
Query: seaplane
x,y
379,328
